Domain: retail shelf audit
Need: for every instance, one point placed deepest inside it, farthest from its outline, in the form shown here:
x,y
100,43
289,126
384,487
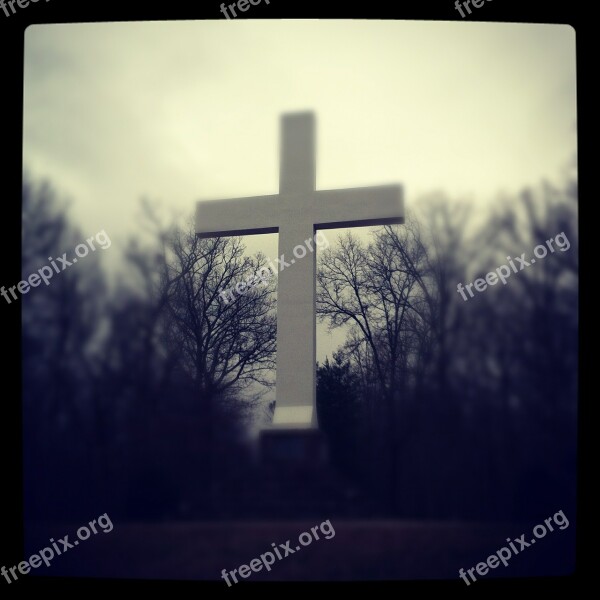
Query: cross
x,y
296,213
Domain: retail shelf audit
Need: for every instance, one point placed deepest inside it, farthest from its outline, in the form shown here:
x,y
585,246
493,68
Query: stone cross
x,y
296,213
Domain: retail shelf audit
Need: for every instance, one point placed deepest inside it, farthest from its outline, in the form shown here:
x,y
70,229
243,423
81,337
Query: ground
x,y
360,550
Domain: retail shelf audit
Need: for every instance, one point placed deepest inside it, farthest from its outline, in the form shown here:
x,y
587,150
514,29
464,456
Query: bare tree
x,y
374,289
224,345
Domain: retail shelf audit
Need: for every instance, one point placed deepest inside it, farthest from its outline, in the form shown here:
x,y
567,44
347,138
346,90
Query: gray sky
x,y
182,111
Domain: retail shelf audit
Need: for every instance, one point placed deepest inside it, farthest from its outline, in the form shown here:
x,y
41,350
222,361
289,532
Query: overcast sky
x,y
183,111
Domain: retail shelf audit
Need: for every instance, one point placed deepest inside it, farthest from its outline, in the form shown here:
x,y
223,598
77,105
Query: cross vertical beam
x,y
296,323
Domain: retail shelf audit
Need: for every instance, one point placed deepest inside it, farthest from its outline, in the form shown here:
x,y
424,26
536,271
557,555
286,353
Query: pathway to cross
x,y
296,213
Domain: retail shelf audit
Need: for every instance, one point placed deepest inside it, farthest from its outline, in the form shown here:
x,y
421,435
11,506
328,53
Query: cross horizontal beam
x,y
238,216
324,209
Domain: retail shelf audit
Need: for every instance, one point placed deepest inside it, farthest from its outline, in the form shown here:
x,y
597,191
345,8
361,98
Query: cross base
x,y
296,448
294,417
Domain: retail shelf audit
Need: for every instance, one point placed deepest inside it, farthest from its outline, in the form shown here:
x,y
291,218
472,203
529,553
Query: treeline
x,y
439,406
138,389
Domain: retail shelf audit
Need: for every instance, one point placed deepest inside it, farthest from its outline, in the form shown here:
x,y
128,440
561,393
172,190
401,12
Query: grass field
x,y
360,550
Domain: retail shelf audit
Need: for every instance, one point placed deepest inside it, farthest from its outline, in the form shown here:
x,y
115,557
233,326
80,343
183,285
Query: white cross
x,y
296,213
